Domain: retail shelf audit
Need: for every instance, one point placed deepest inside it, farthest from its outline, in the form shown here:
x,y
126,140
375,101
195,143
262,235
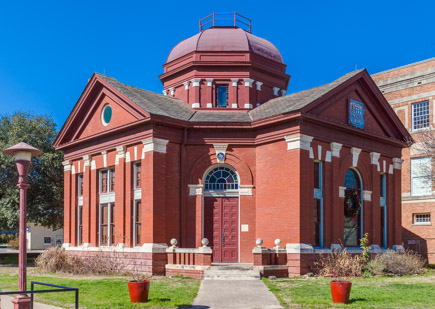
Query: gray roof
x,y
158,104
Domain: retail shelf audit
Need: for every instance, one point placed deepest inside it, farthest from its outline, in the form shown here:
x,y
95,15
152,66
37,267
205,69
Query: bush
x,y
55,259
392,262
340,264
14,243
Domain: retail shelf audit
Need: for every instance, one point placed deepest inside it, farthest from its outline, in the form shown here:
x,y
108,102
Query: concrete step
x,y
231,272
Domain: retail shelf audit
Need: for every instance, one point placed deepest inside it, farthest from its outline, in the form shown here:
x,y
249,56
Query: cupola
x,y
224,66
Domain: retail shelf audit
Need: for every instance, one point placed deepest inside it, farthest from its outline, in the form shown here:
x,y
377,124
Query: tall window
x,y
221,95
420,115
107,224
352,209
137,175
318,204
137,204
107,207
383,208
80,209
421,182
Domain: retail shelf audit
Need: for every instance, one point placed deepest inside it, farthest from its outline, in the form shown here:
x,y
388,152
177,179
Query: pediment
x,y
359,104
87,119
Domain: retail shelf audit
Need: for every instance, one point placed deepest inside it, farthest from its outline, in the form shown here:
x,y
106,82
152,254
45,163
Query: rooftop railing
x,y
225,20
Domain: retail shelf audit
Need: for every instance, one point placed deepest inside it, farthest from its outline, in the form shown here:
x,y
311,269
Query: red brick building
x,y
225,154
410,90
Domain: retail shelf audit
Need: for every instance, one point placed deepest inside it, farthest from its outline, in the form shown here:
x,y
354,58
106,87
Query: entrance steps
x,y
231,271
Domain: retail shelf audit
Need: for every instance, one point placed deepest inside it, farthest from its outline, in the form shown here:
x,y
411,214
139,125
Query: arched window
x,y
352,209
221,178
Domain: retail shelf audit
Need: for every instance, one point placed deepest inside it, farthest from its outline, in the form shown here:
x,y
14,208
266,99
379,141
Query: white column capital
x,y
248,82
374,157
165,92
66,166
258,85
154,144
283,92
245,189
186,85
172,90
355,155
195,82
397,163
248,105
234,82
275,91
367,195
209,82
195,189
298,141
335,149
121,151
341,191
86,161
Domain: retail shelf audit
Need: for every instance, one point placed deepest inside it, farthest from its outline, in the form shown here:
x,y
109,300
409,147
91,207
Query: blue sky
x,y
49,49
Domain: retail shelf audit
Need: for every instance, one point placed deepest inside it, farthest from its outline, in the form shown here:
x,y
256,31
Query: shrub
x,y
14,243
55,259
339,264
392,262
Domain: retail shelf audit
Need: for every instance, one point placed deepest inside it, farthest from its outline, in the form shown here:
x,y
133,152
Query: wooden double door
x,y
221,222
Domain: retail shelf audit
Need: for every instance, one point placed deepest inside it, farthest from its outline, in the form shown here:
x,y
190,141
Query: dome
x,y
225,39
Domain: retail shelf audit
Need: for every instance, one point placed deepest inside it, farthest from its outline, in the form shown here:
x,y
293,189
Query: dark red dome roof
x,y
225,39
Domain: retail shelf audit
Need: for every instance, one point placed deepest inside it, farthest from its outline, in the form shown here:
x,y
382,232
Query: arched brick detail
x,y
210,159
363,168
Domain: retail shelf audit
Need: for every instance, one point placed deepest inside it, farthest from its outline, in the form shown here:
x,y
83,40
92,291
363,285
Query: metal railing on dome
x,y
225,20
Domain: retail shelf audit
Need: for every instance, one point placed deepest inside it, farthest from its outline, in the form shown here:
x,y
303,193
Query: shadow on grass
x,y
353,300
192,307
159,299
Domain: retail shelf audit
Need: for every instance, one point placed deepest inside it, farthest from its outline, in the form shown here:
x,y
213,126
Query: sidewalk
x,y
6,303
234,294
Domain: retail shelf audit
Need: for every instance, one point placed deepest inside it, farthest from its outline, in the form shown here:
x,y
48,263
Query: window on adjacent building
x,y
420,115
318,204
47,240
221,95
107,181
422,219
421,182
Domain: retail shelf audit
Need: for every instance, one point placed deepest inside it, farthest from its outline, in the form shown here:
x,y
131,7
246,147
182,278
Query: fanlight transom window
x,y
220,179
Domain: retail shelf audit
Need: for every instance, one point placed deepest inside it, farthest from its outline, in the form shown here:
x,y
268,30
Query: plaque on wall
x,y
356,114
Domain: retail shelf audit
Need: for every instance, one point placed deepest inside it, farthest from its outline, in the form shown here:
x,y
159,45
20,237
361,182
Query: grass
x,y
106,292
13,260
373,292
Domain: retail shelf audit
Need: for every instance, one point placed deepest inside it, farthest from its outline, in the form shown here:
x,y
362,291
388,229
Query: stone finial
x,y
174,243
204,242
277,242
259,242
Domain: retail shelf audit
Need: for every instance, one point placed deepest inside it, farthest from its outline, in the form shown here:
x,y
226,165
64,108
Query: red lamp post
x,y
23,154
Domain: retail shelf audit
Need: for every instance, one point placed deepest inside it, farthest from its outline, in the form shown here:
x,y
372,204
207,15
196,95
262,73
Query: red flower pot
x,y
139,291
340,291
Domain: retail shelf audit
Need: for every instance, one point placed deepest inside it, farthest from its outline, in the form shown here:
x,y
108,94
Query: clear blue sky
x,y
49,49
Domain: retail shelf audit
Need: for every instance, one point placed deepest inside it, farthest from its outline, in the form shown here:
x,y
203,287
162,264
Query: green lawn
x,y
108,292
374,292
13,260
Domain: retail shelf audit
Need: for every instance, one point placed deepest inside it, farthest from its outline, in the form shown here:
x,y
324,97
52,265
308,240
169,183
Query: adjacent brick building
x,y
225,154
410,90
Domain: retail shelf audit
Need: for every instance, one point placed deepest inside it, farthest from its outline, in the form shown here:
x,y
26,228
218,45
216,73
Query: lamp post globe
x,y
23,154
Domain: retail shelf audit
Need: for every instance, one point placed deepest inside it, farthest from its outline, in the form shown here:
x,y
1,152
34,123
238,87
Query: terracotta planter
x,y
139,291
340,291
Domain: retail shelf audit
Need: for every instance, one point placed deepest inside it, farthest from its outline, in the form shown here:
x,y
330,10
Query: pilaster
x,y
120,195
86,198
67,200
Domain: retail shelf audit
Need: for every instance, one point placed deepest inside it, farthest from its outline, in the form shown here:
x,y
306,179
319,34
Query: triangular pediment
x,y
358,103
100,110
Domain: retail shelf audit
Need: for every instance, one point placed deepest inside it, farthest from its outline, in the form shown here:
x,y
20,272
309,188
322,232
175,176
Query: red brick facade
x,y
273,156
404,87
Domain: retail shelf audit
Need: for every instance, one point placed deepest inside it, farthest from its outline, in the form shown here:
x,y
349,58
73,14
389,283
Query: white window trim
x,y
421,223
134,220
318,194
79,204
412,116
135,164
109,170
413,193
109,227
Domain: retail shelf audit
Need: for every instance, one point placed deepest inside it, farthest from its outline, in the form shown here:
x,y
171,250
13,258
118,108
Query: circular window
x,y
106,115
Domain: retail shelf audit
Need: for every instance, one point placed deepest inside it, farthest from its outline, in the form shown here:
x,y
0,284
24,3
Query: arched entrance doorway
x,y
352,209
221,212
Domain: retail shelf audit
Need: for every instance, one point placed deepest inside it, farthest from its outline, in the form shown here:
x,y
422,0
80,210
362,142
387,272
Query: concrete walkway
x,y
234,294
6,303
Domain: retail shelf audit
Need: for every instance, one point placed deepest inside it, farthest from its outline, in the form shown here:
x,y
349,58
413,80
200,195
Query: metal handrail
x,y
241,20
60,288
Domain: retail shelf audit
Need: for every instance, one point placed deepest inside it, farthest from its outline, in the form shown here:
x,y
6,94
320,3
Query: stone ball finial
x,y
259,242
204,242
174,242
277,242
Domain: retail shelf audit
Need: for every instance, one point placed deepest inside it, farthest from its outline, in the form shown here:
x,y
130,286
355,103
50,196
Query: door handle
x,y
223,238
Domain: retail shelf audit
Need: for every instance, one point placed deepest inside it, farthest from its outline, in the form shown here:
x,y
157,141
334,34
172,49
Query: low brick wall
x,y
188,262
